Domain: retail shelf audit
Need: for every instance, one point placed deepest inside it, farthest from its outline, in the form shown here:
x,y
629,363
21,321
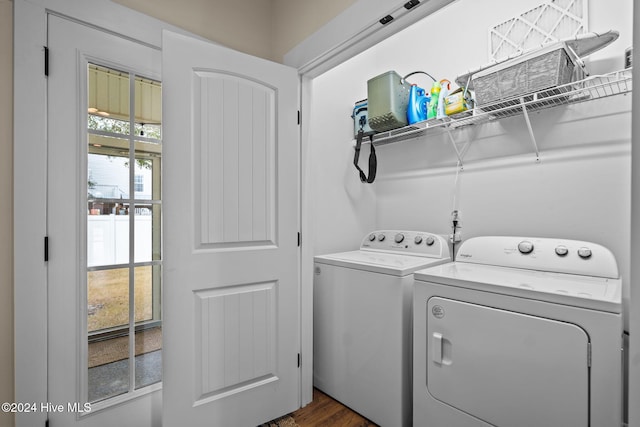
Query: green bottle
x,y
432,111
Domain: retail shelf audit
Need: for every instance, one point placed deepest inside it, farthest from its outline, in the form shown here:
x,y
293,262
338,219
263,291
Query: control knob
x,y
584,253
417,240
562,250
399,238
430,240
372,237
525,247
381,237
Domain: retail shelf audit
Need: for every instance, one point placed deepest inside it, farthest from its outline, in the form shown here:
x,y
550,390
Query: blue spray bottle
x,y
417,105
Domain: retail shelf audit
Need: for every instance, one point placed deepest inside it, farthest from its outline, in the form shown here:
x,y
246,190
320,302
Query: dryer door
x,y
505,368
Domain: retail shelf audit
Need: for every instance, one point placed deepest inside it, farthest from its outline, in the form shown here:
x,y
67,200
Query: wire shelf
x,y
591,88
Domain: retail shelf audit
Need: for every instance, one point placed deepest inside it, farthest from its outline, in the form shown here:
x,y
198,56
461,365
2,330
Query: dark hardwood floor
x,y
326,412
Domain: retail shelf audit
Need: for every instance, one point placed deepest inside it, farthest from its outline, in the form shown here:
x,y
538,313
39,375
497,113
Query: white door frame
x,y
634,316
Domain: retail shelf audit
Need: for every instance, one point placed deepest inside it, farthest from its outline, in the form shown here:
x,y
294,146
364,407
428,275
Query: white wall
x,y
579,189
342,209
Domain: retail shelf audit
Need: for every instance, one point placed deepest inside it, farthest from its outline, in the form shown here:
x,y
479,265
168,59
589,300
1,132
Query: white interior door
x,y
77,50
507,369
231,222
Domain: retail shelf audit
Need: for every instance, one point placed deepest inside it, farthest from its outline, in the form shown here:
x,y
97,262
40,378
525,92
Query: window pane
x,y
107,299
108,367
143,177
108,175
107,233
108,103
148,338
147,172
147,235
148,356
149,131
148,114
144,293
105,124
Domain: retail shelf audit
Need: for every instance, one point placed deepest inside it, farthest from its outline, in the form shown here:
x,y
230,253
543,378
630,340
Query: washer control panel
x,y
543,254
420,243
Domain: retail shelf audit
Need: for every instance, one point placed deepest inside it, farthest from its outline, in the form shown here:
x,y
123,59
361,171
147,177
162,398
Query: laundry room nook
x,y
546,165
577,187
394,213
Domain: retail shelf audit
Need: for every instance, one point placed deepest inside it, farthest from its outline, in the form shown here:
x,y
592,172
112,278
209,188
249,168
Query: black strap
x,y
373,161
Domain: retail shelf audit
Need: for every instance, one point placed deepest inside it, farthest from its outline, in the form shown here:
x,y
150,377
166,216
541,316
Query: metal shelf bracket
x,y
525,113
455,147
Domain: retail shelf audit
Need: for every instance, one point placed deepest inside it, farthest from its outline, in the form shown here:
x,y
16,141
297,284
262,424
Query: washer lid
x,y
380,262
595,293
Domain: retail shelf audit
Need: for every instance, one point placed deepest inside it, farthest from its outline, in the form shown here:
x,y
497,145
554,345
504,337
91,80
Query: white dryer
x,y
362,322
519,332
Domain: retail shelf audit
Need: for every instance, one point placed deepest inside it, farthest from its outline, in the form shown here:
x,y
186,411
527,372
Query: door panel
x,y
231,174
235,154
507,369
237,327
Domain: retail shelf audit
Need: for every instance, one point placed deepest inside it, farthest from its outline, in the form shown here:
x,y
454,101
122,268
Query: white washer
x,y
362,322
519,332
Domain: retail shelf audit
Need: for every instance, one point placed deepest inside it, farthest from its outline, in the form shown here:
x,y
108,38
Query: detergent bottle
x,y
432,112
417,105
445,87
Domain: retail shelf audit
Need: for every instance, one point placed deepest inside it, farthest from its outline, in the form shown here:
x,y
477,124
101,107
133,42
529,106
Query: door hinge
x,y
298,116
46,248
299,360
46,61
299,239
588,355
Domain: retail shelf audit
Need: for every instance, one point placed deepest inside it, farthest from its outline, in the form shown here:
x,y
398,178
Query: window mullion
x,y
132,305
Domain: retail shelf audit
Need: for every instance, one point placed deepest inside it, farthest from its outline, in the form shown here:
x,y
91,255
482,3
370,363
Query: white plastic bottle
x,y
445,87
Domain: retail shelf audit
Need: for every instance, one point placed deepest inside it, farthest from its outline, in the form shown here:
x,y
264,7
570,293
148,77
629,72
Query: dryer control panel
x,y
542,254
417,243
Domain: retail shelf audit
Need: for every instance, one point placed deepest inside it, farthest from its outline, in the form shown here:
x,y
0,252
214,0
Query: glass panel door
x,y
124,242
